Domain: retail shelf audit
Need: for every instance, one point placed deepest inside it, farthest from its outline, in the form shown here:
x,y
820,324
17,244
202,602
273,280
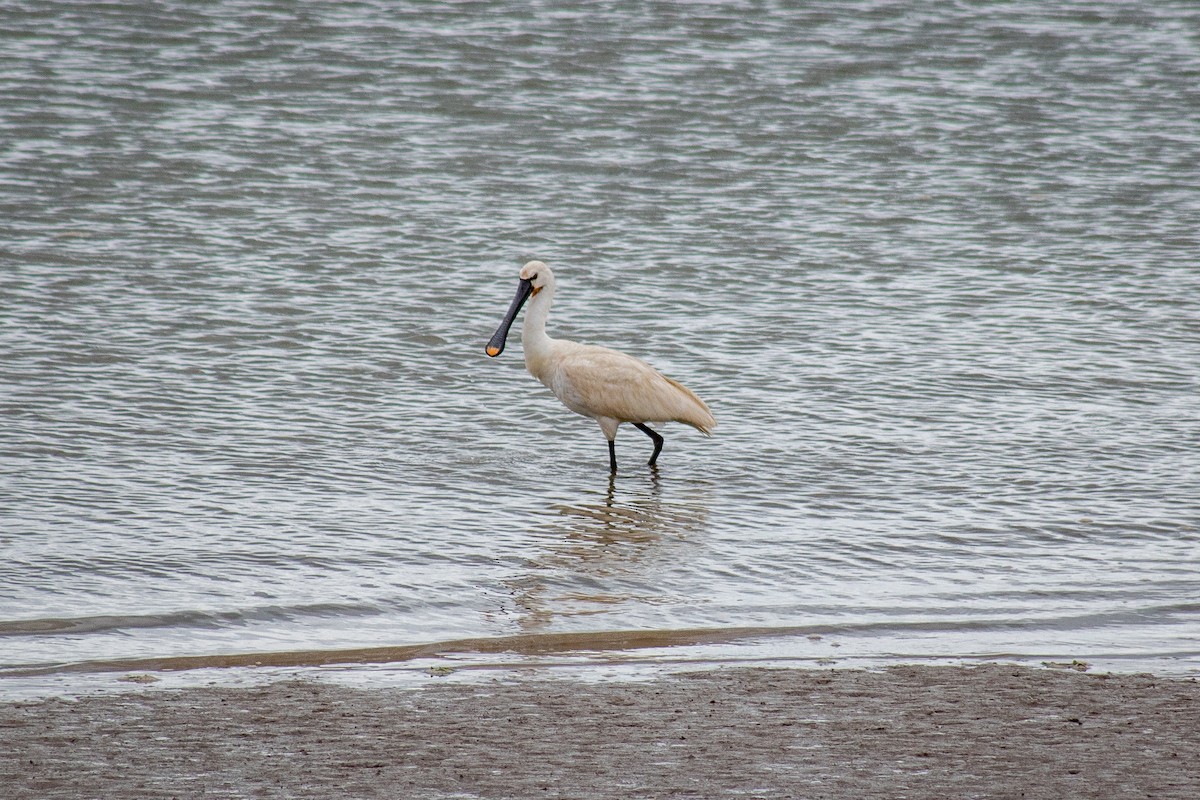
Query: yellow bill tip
x,y
493,351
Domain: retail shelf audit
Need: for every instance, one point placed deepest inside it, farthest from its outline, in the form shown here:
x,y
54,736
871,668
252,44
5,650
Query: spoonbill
x,y
606,385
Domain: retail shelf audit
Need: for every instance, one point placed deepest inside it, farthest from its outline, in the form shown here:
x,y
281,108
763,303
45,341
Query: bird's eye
x,y
532,278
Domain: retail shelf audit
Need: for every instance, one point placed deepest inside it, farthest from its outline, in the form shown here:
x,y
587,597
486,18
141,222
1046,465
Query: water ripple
x,y
933,269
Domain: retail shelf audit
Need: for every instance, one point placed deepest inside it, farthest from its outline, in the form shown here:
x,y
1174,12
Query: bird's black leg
x,y
658,440
612,455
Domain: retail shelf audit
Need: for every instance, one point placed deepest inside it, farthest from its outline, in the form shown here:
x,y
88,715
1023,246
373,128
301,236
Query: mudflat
x,y
912,731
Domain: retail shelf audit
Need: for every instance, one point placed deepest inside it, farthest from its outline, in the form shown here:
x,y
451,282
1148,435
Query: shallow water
x,y
933,268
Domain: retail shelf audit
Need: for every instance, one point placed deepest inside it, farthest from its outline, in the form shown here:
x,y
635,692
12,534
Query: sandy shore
x,y
915,732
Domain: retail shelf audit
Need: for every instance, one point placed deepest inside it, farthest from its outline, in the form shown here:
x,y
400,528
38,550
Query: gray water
x,y
933,266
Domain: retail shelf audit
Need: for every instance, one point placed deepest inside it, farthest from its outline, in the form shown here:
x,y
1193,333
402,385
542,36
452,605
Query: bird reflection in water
x,y
608,556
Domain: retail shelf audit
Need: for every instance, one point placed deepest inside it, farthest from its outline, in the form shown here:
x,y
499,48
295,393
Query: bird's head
x,y
538,275
535,276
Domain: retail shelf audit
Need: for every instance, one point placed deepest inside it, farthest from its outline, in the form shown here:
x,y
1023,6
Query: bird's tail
x,y
695,413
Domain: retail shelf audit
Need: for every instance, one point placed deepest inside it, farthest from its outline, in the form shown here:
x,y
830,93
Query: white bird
x,y
606,385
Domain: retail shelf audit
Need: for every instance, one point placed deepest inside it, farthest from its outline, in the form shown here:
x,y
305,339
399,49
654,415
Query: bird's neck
x,y
534,340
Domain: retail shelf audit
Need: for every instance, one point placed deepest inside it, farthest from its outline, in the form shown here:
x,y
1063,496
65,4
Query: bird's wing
x,y
600,382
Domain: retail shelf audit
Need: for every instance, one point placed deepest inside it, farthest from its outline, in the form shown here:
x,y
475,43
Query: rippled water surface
x,y
934,268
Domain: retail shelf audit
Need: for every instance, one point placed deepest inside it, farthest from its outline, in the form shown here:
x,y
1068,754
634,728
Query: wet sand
x,y
915,732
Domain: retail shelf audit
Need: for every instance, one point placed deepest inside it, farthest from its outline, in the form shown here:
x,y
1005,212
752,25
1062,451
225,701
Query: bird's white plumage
x,y
612,387
606,385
